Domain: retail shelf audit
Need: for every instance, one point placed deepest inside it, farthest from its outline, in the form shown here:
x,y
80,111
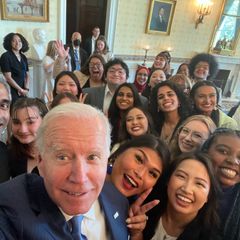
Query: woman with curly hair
x,y
14,64
203,66
223,147
169,107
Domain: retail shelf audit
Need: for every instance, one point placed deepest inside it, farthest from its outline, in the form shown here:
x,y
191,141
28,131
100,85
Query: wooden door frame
x,y
110,24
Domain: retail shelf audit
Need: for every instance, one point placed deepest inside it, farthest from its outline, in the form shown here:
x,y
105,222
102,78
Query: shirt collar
x,y
91,214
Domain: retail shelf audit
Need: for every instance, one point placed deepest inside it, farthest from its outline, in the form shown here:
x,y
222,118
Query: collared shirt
x,y
74,49
107,100
93,44
93,225
161,233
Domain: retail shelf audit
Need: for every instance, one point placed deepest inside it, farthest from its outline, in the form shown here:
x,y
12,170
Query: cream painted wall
x,y
26,28
184,39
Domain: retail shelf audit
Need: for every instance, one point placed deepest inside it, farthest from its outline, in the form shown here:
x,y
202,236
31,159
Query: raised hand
x,y
82,97
137,218
62,52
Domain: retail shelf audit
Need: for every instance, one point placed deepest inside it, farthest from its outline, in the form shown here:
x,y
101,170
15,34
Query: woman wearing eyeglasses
x,y
92,73
191,134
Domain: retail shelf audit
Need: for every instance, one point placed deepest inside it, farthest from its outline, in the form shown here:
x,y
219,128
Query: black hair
x,y
123,133
7,42
207,215
146,140
116,61
204,57
114,113
157,115
215,114
217,133
72,76
85,68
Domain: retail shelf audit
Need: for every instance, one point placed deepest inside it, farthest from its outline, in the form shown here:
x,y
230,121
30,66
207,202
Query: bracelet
x,y
26,89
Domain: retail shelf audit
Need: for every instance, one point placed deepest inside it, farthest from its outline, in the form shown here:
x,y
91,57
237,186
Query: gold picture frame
x,y
160,16
225,37
20,10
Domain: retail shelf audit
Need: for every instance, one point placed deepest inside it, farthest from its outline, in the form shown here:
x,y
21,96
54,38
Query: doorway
x,y
83,15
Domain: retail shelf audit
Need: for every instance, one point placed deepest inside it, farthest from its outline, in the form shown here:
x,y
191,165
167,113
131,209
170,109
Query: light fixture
x,y
145,56
204,9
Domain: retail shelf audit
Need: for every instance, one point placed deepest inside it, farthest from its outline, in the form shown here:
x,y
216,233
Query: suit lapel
x,y
115,211
48,214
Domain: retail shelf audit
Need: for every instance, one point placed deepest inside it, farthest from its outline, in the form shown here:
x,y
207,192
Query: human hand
x,y
23,92
137,214
82,97
62,52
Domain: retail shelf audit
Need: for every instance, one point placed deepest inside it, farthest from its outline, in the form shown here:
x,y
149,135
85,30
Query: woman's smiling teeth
x,y
131,181
184,199
230,173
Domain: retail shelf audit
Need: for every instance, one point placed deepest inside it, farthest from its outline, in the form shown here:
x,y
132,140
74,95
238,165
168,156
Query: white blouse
x,y
161,234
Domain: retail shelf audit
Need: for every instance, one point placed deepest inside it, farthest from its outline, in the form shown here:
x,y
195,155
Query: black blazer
x,y
4,168
82,53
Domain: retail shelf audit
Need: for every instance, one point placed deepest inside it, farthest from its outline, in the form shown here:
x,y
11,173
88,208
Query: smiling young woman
x,y
224,149
168,107
205,98
188,201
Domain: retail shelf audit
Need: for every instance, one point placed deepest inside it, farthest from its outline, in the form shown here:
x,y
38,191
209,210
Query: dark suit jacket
x,y
4,168
95,97
157,25
88,46
27,212
82,53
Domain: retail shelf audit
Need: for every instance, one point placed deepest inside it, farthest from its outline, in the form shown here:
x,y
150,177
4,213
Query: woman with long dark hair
x,y
205,97
125,97
169,107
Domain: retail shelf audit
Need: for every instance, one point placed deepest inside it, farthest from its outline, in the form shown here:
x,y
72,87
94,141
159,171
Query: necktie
x,y
76,228
77,62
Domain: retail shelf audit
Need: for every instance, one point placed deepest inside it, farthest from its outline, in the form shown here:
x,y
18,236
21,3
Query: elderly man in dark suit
x,y
70,199
77,54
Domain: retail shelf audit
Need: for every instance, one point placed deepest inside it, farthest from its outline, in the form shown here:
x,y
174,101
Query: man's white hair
x,y
82,112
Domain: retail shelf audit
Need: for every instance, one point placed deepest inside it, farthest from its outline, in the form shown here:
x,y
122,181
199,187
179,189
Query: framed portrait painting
x,y
160,16
25,10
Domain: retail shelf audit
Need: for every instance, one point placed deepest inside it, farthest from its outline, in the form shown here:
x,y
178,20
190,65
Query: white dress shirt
x,y
107,100
93,225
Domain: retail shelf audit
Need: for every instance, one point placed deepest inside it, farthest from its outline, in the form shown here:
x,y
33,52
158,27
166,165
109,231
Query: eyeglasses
x,y
119,71
195,136
97,65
